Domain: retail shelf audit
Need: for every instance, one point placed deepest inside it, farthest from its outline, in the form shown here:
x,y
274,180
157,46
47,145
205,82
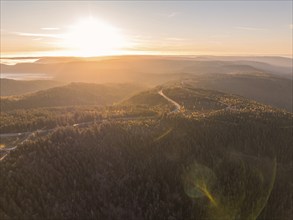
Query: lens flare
x,y
237,188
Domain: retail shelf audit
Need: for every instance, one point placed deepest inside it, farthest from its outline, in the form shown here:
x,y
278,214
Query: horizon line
x,y
147,55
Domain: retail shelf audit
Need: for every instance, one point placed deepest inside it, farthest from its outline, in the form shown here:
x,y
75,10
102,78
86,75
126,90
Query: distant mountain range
x,y
264,79
135,68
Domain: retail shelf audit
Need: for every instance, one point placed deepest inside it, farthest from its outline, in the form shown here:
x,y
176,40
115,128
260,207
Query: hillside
x,y
11,87
220,157
269,90
264,79
195,99
70,95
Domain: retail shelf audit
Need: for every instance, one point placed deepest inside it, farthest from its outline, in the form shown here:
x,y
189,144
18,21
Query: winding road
x,y
177,106
29,135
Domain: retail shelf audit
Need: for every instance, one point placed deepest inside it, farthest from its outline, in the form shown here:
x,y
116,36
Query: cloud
x,y
216,43
221,36
50,28
170,14
173,14
175,39
58,36
3,31
250,28
35,36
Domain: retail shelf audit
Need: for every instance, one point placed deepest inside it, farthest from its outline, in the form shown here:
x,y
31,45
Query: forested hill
x,y
19,87
195,100
265,89
228,166
72,94
219,157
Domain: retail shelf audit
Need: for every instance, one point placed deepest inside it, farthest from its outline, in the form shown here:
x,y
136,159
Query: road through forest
x,y
177,106
32,134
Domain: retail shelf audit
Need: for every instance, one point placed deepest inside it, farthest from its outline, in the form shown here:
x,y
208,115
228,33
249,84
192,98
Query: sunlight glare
x,y
91,37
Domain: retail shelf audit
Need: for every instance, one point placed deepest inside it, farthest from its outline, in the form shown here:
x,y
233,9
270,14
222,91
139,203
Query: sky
x,y
93,28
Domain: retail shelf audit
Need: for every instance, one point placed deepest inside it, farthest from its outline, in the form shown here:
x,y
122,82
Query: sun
x,y
91,37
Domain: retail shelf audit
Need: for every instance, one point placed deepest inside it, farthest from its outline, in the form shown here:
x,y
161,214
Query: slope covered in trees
x,y
19,87
71,95
220,157
264,79
174,168
269,90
